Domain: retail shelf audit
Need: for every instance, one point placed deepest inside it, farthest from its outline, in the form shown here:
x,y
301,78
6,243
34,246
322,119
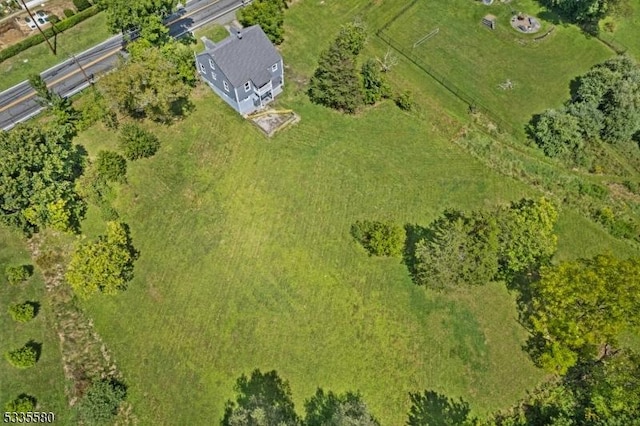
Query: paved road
x,y
18,103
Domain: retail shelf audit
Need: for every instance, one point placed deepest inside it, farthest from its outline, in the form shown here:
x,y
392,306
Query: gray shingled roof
x,y
246,58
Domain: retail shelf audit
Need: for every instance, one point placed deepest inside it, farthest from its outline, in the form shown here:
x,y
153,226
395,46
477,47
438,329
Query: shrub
x,y
136,142
18,274
23,357
81,5
100,403
22,312
68,13
22,404
379,238
404,101
111,166
631,186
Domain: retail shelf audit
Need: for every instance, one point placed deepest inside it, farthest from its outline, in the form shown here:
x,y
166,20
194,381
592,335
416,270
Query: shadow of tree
x,y
435,409
415,233
36,346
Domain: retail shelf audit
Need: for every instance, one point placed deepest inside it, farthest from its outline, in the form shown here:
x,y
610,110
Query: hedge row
x,y
36,39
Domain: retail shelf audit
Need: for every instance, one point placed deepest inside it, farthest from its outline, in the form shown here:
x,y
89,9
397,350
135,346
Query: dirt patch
x,y
621,192
272,121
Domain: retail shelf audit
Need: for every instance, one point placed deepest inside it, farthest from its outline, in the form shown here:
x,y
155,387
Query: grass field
x,y
625,27
477,60
45,380
213,32
246,259
39,58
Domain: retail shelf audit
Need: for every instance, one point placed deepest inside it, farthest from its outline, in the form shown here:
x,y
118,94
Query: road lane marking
x,y
186,15
59,79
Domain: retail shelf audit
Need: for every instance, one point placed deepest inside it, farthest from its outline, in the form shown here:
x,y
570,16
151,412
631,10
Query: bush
x,y
404,101
136,142
23,357
111,166
68,13
22,404
18,274
81,5
36,39
631,186
379,238
100,403
22,312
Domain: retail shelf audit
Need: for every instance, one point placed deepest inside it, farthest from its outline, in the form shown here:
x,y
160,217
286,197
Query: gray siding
x,y
203,60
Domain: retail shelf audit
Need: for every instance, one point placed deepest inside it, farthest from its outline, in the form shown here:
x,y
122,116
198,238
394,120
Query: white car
x,y
42,17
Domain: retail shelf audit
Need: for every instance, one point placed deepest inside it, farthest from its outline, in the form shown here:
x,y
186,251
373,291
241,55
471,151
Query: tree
x,y
23,357
379,238
526,237
22,312
433,409
22,404
18,274
104,265
136,143
100,403
605,392
111,166
579,308
149,85
61,107
329,409
124,15
262,399
581,11
558,133
336,83
374,83
37,178
269,14
459,249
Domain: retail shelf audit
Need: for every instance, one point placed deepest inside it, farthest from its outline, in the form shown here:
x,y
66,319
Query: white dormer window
x,y
226,86
274,67
202,69
247,86
212,64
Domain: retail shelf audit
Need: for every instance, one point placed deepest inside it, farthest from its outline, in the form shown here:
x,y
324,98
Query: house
x,y
244,69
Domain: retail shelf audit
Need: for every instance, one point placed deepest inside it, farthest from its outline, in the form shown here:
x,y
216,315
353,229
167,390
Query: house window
x,y
247,86
226,86
214,76
202,70
212,64
274,67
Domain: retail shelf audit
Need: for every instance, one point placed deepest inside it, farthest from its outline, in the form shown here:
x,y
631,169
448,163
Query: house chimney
x,y
239,34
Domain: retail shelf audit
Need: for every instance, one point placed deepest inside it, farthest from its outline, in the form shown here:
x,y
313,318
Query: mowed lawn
x,y
246,260
477,60
44,381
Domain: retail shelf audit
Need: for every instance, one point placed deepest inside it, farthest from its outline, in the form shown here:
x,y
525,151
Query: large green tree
x,y
336,83
581,11
459,249
146,15
578,309
150,84
526,235
104,265
329,409
37,173
559,134
269,14
263,399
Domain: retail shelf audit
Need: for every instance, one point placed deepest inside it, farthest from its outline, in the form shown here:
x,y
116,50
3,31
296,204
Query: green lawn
x,y
477,60
45,380
213,32
39,58
246,259
625,27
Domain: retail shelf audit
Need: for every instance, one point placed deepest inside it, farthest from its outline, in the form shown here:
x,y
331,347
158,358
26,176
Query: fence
x,y
474,105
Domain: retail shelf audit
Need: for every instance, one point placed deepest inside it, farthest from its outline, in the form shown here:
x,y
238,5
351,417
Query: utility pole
x,y
35,21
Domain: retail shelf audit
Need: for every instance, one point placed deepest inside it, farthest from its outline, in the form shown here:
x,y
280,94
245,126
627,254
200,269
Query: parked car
x,y
42,17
